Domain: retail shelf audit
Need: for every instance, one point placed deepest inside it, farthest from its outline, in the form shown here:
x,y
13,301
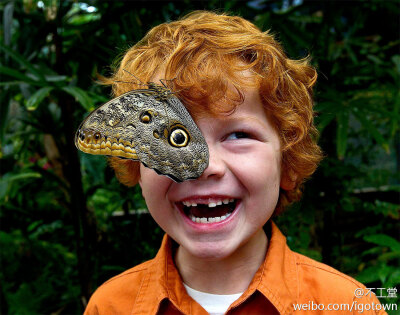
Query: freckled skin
x,y
244,163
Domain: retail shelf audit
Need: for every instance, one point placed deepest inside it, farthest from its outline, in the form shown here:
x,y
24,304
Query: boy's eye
x,y
238,135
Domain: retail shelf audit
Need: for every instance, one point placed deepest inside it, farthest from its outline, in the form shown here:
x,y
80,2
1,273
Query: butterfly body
x,y
151,126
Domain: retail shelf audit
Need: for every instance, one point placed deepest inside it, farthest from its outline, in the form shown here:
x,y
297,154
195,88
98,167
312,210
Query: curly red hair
x,y
204,55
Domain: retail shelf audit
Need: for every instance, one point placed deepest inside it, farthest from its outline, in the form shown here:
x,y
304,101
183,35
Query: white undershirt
x,y
214,304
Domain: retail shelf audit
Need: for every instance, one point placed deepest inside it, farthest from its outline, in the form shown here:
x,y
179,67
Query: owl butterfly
x,y
147,125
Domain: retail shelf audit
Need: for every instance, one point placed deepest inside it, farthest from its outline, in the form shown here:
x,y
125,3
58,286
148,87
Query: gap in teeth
x,y
210,204
209,220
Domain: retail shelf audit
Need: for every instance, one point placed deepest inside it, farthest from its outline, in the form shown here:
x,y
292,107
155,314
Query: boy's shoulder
x,y
131,275
307,271
290,279
322,280
317,269
321,287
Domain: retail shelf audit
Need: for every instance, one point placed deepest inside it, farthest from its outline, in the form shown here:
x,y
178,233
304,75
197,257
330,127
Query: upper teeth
x,y
210,204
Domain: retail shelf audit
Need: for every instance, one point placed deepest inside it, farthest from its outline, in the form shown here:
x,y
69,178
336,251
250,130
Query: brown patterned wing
x,y
144,125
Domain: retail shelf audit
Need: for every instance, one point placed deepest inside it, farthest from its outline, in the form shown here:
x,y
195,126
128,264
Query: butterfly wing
x,y
141,125
178,149
110,129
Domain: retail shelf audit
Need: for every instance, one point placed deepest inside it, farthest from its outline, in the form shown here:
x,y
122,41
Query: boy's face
x,y
244,166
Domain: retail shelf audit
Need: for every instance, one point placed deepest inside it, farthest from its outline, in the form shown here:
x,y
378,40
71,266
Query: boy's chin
x,y
208,251
223,248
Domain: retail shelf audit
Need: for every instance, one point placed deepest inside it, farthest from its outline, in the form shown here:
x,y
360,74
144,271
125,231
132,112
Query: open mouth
x,y
209,212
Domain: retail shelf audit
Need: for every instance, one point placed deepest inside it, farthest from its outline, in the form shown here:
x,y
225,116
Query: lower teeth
x,y
209,220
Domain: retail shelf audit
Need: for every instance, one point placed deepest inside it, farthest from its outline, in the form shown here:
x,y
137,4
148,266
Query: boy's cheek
x,y
152,184
140,178
144,181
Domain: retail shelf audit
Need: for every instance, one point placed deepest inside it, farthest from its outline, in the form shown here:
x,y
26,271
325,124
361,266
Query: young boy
x,y
221,253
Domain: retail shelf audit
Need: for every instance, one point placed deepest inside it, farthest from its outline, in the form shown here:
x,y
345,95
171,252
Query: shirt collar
x,y
279,282
162,281
276,279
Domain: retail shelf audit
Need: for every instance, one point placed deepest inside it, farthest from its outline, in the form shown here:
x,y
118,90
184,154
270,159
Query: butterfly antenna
x,y
167,80
141,83
164,84
119,81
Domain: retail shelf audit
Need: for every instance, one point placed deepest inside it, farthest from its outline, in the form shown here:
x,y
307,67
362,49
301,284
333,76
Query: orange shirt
x,y
284,281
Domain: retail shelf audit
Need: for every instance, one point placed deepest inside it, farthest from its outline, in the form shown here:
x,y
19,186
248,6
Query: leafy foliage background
x,y
67,225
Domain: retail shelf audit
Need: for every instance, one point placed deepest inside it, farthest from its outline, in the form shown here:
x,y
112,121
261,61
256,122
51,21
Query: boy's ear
x,y
288,180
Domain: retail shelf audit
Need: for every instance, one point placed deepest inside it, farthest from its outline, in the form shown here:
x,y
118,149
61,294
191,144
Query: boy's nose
x,y
216,165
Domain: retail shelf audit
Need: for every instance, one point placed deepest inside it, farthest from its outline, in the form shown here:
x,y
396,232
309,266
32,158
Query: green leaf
x,y
361,116
80,96
56,78
341,133
396,61
34,225
395,120
16,74
368,275
8,178
351,53
383,240
327,106
389,256
293,35
23,62
4,110
7,22
394,278
8,83
22,176
34,101
324,120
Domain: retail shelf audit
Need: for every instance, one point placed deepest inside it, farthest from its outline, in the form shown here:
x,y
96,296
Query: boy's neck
x,y
230,275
